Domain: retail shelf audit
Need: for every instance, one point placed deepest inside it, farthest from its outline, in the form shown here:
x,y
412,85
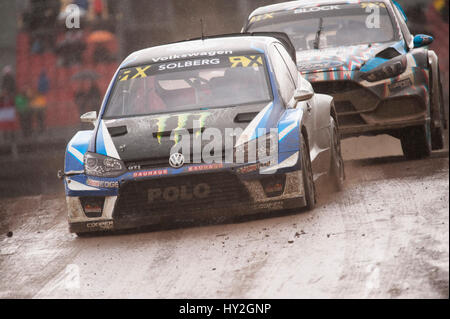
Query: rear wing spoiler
x,y
280,36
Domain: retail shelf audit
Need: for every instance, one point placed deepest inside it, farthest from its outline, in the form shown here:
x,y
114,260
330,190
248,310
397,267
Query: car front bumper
x,y
370,108
233,190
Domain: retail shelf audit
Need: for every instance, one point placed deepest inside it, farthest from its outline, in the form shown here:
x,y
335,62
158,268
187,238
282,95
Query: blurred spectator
x,y
443,8
98,8
40,19
83,4
93,97
7,115
87,97
101,40
43,83
39,101
70,50
8,81
102,55
80,97
24,111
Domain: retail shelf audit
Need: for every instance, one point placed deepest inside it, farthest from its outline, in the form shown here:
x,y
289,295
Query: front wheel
x,y
416,142
308,178
337,170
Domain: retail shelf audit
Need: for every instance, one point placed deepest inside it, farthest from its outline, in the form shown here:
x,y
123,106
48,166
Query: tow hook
x,y
61,175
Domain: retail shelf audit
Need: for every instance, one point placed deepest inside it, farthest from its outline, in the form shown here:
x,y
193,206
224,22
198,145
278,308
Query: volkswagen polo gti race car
x,y
383,80
125,173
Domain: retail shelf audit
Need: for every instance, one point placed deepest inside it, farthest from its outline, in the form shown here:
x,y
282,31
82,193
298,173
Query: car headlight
x,y
103,166
387,70
262,149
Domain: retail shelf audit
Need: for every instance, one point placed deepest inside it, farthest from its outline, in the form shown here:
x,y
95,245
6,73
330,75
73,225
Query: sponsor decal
x,y
135,73
101,225
262,17
182,119
158,172
246,61
183,192
102,184
365,5
188,64
319,65
191,55
134,167
205,167
252,168
400,85
269,205
317,9
204,60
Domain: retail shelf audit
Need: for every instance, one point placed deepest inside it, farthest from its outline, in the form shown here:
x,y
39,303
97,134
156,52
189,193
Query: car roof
x,y
292,5
200,49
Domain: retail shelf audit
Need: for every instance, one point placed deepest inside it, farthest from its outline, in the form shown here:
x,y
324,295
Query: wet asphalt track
x,y
385,236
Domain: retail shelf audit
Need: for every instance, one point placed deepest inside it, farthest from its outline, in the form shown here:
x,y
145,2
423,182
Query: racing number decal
x,y
246,61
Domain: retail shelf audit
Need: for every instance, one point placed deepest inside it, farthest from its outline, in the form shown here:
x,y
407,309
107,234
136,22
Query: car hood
x,y
149,137
349,58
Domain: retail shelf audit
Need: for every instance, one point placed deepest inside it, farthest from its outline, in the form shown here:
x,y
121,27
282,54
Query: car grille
x,y
351,100
162,162
140,199
335,87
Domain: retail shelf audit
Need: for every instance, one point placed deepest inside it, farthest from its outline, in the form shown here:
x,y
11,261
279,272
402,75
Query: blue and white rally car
x,y
383,79
125,173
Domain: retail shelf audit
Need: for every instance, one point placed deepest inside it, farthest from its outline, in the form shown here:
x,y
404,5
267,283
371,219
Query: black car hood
x,y
148,137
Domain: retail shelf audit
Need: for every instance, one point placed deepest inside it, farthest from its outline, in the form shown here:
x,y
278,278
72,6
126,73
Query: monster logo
x,y
182,120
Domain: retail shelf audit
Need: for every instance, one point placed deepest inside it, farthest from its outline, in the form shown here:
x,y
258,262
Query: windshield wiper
x,y
319,32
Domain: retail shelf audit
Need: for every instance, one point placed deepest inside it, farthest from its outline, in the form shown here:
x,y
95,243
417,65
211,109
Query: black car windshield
x,y
330,26
177,86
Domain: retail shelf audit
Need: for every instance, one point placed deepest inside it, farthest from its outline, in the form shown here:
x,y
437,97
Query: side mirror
x,y
301,95
422,40
89,117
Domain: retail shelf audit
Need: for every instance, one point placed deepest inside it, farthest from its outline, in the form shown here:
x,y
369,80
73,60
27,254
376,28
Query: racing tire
x,y
308,178
337,169
437,139
416,142
437,134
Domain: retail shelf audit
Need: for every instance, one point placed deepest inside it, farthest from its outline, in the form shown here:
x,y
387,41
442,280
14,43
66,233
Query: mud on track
x,y
385,236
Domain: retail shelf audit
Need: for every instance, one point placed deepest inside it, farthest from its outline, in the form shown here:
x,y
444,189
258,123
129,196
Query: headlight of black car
x,y
387,70
103,166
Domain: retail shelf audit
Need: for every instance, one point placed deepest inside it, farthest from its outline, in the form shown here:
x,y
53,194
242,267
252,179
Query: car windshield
x,y
330,26
183,85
